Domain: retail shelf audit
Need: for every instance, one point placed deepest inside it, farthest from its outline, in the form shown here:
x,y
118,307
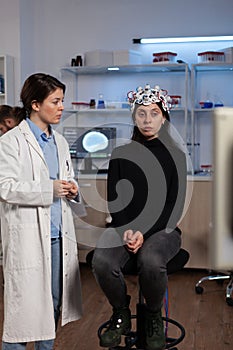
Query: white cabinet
x,y
196,223
7,80
90,227
211,82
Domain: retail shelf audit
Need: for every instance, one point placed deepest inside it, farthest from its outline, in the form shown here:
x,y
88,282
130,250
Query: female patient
x,y
146,193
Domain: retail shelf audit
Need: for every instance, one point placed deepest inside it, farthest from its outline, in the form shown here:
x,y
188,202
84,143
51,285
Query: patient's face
x,y
149,120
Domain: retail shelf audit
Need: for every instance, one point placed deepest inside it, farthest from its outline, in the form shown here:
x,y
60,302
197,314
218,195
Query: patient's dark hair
x,y
137,135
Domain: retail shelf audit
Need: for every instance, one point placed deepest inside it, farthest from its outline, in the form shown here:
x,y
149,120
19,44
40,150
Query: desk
x,y
195,224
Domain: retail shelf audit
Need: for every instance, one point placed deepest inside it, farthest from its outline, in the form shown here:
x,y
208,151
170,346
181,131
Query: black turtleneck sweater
x,y
146,187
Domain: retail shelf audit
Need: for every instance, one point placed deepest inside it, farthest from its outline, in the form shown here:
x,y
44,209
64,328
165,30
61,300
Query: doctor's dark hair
x,y
38,87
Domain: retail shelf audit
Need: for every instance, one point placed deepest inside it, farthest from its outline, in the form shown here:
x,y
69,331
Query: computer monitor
x,y
221,238
90,143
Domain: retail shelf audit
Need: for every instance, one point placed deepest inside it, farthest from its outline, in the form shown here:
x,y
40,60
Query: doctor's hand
x,y
61,188
73,192
133,240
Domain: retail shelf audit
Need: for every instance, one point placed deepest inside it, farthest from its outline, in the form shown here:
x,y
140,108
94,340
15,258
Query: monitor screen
x,y
221,239
95,143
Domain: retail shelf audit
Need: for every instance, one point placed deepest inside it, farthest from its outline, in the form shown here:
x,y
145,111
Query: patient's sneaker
x,y
120,324
155,336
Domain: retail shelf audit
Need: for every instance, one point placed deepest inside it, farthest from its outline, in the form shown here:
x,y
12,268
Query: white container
x,y
211,56
175,101
164,57
228,52
126,57
117,105
78,106
98,58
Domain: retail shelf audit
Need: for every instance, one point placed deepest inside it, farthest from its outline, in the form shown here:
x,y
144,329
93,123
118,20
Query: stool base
x,y
135,340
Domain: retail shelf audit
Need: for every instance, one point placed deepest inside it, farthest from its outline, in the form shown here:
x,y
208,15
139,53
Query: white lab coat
x,y
26,193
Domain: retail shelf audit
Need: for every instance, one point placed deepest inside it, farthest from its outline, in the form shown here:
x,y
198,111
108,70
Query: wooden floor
x,y
207,319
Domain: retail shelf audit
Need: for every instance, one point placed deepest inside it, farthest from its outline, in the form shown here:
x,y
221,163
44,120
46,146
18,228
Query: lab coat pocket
x,y
25,249
65,170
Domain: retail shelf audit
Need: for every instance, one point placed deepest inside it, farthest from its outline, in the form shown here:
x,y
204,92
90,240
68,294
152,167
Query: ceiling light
x,y
182,39
113,68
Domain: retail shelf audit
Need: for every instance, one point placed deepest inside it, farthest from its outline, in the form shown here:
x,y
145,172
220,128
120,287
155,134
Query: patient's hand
x,y
133,240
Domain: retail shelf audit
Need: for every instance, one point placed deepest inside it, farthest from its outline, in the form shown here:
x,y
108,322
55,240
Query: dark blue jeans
x,y
151,260
56,256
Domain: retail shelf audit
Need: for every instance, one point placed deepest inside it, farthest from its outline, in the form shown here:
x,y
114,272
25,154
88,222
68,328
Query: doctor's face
x,y
50,110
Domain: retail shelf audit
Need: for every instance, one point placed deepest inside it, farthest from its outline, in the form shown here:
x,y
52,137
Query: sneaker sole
x,y
117,342
149,348
109,345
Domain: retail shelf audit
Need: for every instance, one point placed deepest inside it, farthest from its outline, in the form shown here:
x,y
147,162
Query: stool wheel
x,y
199,289
229,301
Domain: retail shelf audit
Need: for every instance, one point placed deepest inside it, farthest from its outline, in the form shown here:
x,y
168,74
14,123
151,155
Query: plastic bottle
x,y
101,104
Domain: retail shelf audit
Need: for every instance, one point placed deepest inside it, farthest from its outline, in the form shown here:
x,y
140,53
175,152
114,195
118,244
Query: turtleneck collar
x,y
152,143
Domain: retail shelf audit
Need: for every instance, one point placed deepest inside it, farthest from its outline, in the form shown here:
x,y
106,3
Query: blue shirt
x,y
49,148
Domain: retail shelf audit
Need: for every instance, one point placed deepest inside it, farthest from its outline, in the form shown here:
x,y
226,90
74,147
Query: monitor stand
x,y
88,164
88,169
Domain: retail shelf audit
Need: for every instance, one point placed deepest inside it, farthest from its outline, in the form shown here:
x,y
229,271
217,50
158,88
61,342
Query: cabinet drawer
x,y
93,193
93,189
94,217
195,225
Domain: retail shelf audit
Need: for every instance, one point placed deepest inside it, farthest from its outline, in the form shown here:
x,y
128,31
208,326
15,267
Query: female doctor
x,y
37,190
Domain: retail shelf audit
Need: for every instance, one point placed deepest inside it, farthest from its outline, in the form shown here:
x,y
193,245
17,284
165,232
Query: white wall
x,y
44,35
10,36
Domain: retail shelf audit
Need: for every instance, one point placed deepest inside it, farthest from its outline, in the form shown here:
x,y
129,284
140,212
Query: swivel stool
x,y
136,339
219,278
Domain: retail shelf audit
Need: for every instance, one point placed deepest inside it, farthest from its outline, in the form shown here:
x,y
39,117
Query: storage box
x,y
126,57
175,101
80,105
211,56
167,57
98,58
228,52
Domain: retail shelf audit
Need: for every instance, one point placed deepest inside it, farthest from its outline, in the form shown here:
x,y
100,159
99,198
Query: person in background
x,y
146,191
9,117
37,193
